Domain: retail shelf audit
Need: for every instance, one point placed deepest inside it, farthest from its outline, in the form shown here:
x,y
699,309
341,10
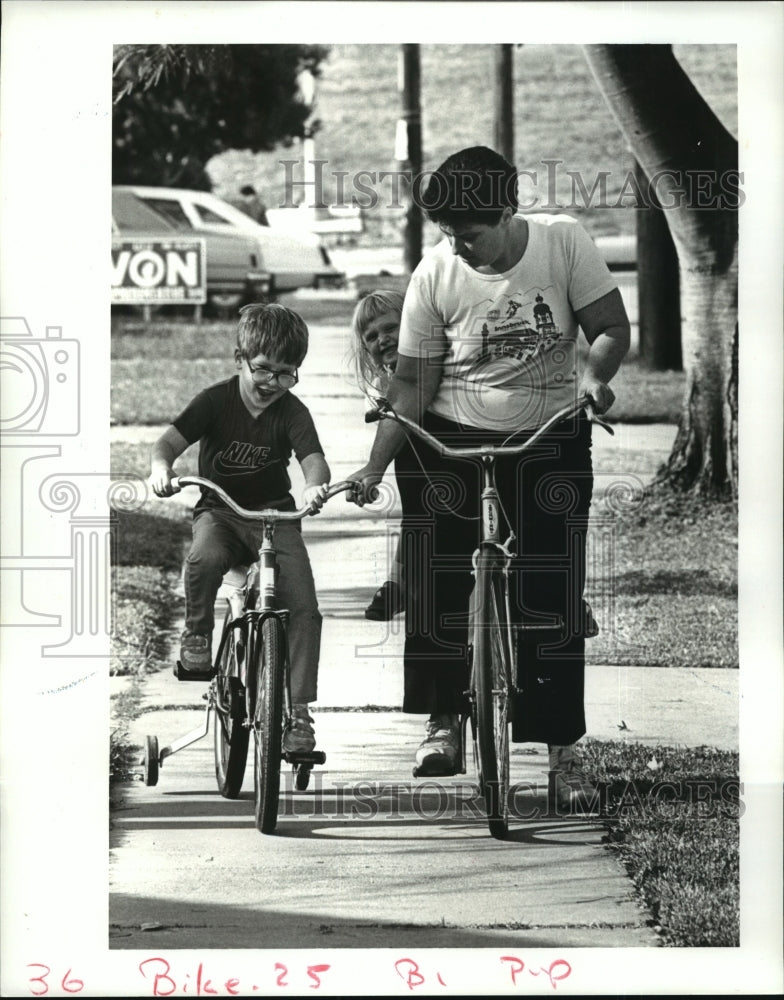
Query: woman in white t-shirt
x,y
487,350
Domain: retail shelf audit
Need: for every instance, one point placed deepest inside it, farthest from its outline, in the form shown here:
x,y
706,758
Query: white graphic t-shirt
x,y
507,342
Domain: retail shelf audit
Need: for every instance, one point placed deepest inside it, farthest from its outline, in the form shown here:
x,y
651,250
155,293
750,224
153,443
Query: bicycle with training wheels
x,y
249,679
492,633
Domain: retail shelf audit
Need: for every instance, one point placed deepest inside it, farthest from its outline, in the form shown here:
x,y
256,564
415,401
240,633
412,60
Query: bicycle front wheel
x,y
268,722
492,674
231,734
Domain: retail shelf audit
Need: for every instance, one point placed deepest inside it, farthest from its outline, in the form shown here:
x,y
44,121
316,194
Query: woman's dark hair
x,y
472,185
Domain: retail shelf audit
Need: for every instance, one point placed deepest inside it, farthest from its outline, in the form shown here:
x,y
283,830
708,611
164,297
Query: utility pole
x,y
408,149
504,101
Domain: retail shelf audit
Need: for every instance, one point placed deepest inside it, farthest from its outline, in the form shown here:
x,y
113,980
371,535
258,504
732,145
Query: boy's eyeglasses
x,y
284,379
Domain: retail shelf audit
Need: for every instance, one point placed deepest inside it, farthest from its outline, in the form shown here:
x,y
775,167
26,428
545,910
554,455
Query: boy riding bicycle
x,y
247,427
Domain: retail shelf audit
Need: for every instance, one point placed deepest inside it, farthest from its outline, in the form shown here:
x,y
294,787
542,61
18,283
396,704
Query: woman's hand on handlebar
x,y
601,395
365,490
160,481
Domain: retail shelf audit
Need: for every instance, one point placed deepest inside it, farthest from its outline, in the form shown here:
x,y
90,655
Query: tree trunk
x,y
503,103
691,160
658,288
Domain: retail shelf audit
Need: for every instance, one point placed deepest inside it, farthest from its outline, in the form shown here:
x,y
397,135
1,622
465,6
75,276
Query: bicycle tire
x,y
491,681
268,723
232,736
151,760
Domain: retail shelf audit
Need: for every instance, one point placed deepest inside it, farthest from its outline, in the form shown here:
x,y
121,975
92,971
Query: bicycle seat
x,y
234,580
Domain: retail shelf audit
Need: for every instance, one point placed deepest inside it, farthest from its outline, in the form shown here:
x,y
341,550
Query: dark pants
x,y
545,495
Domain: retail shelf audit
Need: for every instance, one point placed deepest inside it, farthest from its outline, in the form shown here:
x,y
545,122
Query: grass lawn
x,y
672,817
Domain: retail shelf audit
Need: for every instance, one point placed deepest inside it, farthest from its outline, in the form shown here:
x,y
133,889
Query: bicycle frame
x,y
492,683
250,606
267,557
496,553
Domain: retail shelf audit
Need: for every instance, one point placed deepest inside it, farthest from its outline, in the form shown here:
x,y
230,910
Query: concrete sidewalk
x,y
391,861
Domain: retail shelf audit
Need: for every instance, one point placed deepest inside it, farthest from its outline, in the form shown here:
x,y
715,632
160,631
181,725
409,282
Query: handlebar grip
x,y
594,417
381,407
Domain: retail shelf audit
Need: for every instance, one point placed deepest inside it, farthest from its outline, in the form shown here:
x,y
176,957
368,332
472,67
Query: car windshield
x,y
131,215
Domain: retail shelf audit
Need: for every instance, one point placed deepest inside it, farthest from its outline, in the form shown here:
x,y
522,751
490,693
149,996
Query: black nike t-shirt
x,y
248,456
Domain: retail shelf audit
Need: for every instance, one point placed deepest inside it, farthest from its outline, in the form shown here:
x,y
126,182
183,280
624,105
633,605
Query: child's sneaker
x,y
195,652
568,783
438,752
299,737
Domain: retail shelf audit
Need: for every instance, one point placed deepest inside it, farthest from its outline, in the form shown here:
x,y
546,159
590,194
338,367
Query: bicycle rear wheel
x,y
268,722
492,673
231,734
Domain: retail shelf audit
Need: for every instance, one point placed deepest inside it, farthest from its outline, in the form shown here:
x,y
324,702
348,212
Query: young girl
x,y
376,325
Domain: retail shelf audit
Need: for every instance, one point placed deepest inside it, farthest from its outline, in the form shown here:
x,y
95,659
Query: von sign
x,y
146,272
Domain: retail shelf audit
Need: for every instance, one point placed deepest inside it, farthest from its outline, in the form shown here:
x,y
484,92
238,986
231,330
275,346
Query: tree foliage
x,y
177,106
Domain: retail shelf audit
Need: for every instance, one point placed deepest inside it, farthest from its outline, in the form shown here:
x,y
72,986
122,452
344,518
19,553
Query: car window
x,y
210,218
130,214
172,210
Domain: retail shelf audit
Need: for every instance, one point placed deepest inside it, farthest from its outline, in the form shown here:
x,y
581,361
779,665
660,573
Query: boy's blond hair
x,y
271,329
370,307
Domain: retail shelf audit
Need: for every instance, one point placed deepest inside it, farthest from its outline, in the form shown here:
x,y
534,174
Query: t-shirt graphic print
x,y
507,343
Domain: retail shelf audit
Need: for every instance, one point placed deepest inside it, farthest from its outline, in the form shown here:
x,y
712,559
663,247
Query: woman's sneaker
x,y
568,787
195,652
299,736
439,752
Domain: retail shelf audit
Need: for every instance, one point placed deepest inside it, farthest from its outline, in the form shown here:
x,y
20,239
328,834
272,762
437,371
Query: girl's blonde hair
x,y
370,307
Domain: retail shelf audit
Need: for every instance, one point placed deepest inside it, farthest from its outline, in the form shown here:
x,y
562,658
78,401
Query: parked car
x,y
292,261
233,269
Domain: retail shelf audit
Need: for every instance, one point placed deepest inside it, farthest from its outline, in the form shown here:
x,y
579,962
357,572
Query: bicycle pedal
x,y
192,675
304,757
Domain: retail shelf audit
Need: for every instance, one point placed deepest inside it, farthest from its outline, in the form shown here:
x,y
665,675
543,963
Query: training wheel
x,y
151,760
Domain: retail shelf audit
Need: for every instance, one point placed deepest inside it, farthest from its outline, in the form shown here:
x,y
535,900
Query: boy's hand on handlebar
x,y
161,481
315,496
365,487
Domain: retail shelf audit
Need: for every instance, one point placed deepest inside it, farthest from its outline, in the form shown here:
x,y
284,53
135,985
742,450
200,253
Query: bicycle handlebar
x,y
178,482
384,411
